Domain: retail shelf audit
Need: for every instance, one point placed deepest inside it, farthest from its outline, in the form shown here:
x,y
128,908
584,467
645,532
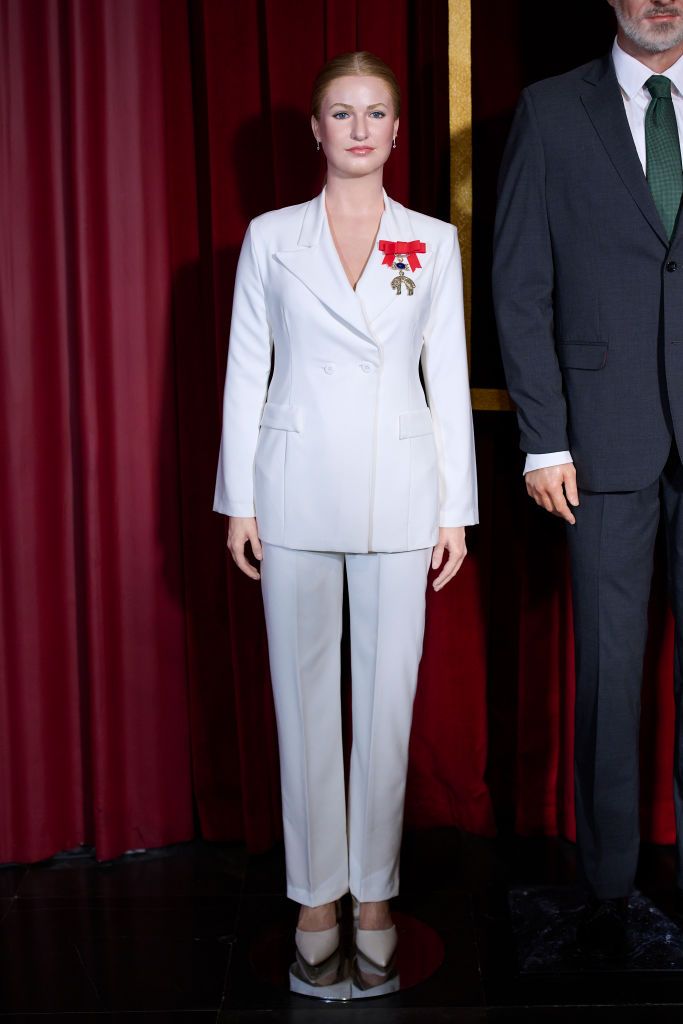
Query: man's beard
x,y
653,36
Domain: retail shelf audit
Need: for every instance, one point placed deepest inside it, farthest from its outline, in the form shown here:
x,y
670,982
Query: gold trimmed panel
x,y
491,400
460,118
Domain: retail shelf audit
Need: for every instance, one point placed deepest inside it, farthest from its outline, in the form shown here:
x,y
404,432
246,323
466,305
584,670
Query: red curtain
x,y
94,734
138,138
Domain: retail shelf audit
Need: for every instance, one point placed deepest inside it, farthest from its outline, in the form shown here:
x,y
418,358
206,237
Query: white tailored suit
x,y
346,465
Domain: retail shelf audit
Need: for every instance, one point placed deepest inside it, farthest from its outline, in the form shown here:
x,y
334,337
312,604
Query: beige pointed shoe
x,y
316,947
377,945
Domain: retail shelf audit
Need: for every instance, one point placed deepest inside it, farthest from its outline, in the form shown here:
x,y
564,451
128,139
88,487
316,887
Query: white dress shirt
x,y
632,76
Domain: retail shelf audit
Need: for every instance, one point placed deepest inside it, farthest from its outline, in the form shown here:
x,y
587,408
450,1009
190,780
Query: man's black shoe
x,y
603,929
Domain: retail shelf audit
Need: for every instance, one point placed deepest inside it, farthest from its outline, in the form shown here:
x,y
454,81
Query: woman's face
x,y
357,125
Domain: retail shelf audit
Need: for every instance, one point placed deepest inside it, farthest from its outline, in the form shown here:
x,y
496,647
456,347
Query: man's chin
x,y
658,39
659,45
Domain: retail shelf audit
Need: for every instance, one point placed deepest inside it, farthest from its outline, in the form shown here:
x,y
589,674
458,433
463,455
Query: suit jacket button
x,y
366,367
329,368
672,266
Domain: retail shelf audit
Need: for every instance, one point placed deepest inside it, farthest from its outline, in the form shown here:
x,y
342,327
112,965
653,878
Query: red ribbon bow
x,y
407,249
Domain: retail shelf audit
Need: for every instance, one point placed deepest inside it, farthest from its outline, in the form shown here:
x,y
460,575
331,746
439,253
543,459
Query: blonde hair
x,y
359,62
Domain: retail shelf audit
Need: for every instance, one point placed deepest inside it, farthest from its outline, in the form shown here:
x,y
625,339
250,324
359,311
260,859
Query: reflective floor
x,y
200,932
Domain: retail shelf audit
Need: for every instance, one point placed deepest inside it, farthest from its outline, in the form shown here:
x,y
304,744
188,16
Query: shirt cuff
x,y
546,460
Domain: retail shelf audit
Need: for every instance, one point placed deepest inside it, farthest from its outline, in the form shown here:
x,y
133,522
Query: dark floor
x,y
171,936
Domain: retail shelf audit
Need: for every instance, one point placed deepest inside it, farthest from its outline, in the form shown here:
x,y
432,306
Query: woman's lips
x,y
361,149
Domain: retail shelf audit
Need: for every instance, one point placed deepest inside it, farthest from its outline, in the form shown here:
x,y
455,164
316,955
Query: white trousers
x,y
302,595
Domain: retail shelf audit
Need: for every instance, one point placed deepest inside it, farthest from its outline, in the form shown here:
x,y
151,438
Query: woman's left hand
x,y
452,540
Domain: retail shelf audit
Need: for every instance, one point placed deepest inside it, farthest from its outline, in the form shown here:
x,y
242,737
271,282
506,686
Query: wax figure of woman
x,y
338,463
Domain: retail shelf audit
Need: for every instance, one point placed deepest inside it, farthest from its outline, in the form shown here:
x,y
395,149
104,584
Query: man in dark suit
x,y
588,288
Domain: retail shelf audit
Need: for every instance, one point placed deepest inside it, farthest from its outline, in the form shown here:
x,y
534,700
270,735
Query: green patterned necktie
x,y
663,159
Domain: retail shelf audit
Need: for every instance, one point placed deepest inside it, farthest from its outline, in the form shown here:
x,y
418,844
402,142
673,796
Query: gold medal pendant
x,y
401,256
400,263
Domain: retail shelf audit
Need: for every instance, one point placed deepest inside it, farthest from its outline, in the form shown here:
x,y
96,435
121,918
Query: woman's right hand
x,y
240,530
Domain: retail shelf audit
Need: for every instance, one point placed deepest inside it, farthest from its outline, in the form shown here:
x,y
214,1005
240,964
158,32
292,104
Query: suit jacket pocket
x,y
415,423
579,355
282,417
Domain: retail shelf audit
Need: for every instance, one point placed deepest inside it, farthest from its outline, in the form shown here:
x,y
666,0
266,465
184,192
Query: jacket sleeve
x,y
246,387
523,278
446,377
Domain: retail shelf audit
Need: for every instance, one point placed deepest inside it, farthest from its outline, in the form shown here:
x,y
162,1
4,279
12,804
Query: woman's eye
x,y
340,115
378,114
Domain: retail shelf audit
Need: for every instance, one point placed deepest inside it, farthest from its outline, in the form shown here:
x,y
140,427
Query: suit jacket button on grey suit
x,y
672,266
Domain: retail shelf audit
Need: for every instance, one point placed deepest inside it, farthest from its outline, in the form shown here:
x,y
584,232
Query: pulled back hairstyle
x,y
360,62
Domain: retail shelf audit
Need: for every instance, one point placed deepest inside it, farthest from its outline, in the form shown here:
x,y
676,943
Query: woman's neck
x,y
359,197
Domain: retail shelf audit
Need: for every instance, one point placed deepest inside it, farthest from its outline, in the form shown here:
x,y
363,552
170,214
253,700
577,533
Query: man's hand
x,y
554,489
240,530
451,539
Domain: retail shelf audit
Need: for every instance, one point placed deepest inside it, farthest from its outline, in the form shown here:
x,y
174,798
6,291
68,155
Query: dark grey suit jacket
x,y
588,292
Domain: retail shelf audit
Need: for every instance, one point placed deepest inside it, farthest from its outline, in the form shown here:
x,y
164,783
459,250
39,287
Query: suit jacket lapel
x,y
605,108
316,263
374,287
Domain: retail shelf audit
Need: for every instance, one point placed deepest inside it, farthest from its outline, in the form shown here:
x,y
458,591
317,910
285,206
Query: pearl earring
x,y
318,146
394,146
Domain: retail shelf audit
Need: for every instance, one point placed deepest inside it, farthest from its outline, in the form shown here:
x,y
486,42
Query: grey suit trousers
x,y
611,548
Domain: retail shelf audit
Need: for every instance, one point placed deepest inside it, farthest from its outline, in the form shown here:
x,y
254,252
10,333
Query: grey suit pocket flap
x,y
281,417
414,424
580,356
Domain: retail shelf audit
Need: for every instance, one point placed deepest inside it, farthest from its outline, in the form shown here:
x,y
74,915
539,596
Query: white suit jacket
x,y
339,450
